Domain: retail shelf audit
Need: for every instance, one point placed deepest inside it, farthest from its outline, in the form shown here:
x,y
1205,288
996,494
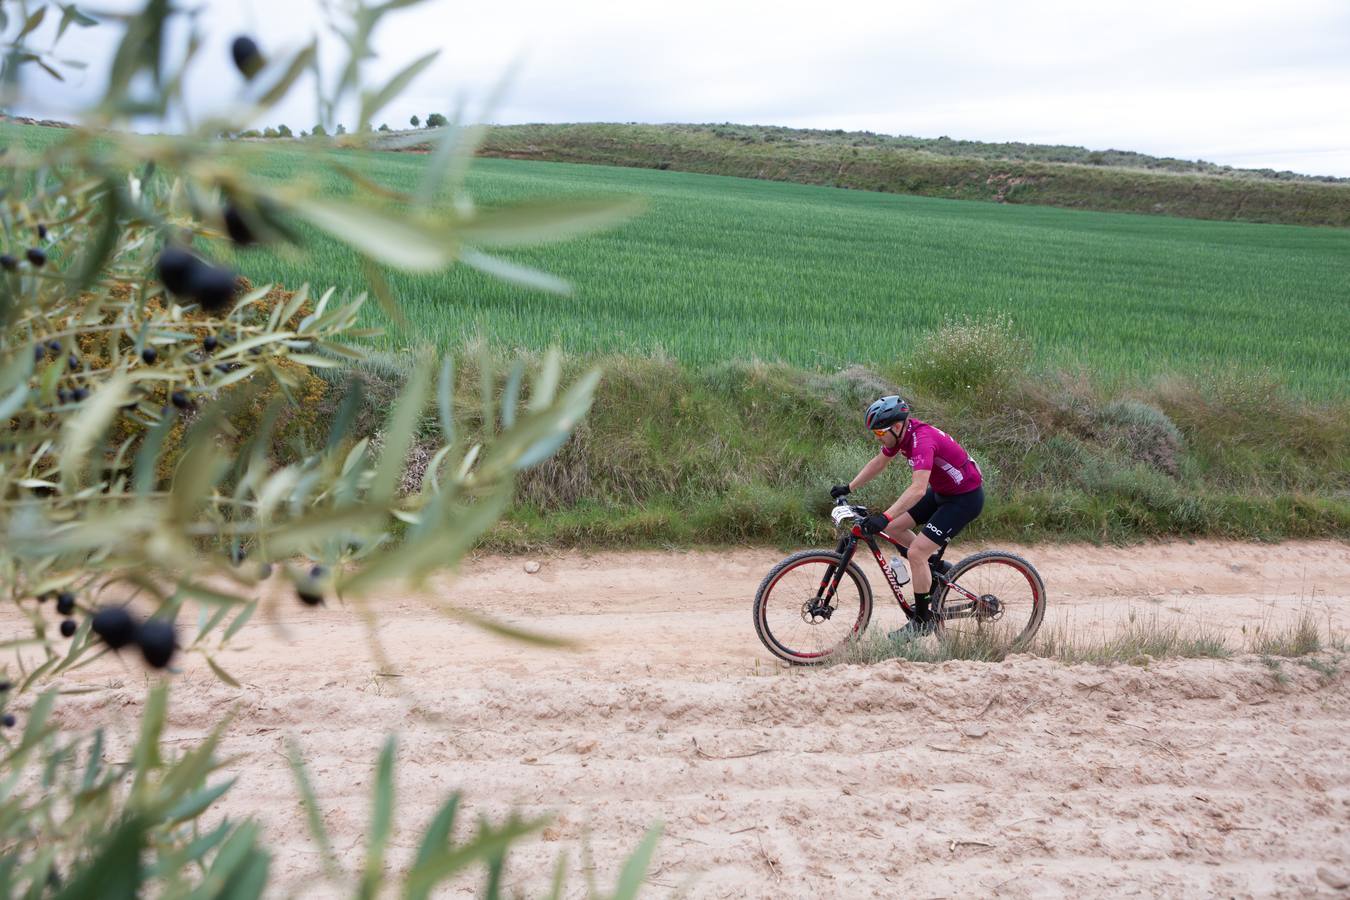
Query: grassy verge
x,y
929,169
744,452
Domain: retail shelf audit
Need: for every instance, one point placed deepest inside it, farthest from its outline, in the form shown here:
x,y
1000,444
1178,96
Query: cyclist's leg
x,y
902,528
952,515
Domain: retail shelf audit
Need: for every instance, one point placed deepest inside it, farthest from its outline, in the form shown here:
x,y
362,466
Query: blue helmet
x,y
886,412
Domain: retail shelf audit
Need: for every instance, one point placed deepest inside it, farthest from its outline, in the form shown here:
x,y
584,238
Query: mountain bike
x,y
813,604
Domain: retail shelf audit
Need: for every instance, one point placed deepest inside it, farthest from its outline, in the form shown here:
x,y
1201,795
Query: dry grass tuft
x,y
1298,639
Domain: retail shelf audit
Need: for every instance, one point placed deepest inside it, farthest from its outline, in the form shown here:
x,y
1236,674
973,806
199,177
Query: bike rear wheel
x,y
996,601
792,621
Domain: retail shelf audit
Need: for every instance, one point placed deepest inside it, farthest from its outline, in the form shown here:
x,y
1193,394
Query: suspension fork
x,y
834,573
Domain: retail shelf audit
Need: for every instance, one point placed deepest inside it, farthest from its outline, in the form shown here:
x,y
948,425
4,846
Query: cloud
x,y
1241,82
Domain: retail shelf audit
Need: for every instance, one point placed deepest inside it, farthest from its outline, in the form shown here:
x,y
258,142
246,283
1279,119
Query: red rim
x,y
764,610
1023,569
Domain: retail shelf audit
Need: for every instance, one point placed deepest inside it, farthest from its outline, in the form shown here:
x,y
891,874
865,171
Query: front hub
x,y
816,610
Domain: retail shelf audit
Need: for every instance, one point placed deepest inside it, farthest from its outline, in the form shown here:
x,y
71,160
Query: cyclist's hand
x,y
875,524
839,490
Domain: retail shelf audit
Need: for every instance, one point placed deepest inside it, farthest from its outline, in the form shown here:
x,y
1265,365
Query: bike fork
x,y
834,573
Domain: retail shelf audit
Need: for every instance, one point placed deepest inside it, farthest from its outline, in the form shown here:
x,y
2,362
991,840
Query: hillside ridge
x,y
1108,181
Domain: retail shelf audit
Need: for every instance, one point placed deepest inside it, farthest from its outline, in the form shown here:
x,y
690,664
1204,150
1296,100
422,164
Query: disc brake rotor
x,y
989,607
815,610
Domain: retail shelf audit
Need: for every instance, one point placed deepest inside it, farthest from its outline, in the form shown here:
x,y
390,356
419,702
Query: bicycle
x,y
805,612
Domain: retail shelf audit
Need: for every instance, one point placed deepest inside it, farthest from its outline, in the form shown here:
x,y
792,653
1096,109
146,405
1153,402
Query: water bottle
x,y
901,572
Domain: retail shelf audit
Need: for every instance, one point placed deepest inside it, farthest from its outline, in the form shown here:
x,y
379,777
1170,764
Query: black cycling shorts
x,y
944,515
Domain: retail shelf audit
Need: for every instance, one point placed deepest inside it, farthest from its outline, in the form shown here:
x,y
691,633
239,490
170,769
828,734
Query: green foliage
x,y
284,130
436,120
143,387
415,122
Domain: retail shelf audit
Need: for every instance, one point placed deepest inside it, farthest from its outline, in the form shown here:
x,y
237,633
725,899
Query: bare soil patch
x,y
1023,778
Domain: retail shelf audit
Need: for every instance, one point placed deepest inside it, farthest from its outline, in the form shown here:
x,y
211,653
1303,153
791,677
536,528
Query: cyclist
x,y
945,495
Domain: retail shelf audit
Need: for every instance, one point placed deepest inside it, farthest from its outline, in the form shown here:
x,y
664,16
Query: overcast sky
x,y
1248,83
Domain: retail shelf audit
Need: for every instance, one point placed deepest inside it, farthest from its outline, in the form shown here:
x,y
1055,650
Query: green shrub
x,y
1143,432
970,359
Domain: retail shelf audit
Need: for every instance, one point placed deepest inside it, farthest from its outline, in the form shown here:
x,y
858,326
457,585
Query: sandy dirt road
x,y
1024,778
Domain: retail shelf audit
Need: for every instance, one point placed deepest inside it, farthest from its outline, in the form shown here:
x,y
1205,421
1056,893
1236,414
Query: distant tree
x,y
415,122
304,133
285,131
341,129
318,131
436,120
270,132
250,133
384,126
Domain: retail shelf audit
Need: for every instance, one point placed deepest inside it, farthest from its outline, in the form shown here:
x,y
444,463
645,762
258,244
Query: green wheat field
x,y
722,268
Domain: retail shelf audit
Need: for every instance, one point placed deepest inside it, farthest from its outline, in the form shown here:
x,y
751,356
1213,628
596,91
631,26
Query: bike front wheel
x,y
995,601
800,626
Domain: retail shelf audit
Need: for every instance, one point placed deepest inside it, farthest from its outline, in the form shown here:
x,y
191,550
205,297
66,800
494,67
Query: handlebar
x,y
843,510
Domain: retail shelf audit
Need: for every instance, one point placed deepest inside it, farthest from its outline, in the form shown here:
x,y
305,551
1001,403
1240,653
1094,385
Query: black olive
x,y
42,231
8,263
80,394
180,400
37,257
177,268
209,343
214,288
309,593
237,228
65,603
247,58
149,354
115,625
68,627
157,641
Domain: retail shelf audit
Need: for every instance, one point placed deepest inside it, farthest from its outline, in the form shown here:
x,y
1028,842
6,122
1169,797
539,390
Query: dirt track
x,y
1026,778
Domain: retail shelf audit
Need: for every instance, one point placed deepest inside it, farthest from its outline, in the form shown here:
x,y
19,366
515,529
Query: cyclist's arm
x,y
912,495
869,471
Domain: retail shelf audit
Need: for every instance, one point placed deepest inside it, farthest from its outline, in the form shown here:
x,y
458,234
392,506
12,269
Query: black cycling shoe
x,y
917,628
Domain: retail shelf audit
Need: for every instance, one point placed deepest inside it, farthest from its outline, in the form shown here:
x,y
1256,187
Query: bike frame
x,y
848,547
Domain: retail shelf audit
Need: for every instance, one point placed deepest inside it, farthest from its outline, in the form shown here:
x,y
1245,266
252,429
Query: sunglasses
x,y
880,432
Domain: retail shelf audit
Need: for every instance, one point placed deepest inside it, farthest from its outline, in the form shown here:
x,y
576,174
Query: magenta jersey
x,y
927,447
